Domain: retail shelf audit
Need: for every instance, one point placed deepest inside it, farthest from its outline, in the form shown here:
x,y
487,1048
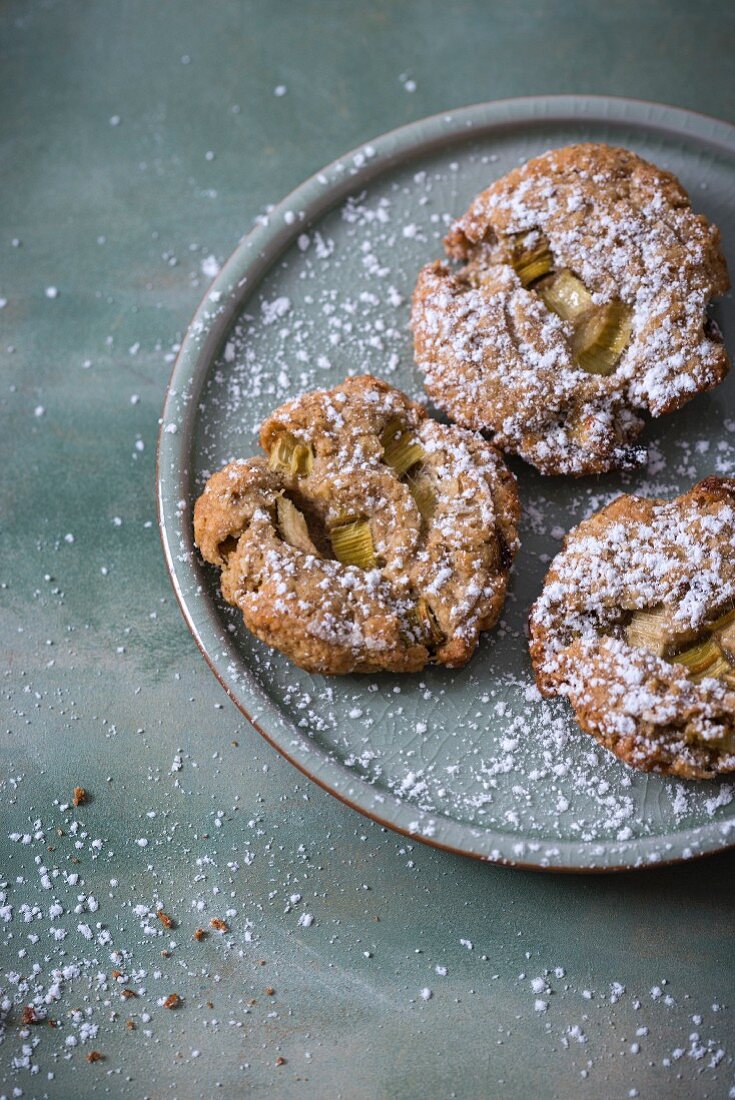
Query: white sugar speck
x,y
210,266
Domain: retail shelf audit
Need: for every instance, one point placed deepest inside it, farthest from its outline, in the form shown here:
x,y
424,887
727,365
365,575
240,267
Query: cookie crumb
x,y
79,797
172,1001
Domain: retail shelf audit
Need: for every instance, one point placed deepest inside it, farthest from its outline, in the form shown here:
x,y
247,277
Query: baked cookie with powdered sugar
x,y
370,538
636,627
581,304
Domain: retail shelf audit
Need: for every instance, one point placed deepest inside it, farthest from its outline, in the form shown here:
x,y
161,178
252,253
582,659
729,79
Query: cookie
x,y
636,627
371,538
582,303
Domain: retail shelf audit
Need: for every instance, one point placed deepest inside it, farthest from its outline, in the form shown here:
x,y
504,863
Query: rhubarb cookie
x,y
581,304
636,626
368,537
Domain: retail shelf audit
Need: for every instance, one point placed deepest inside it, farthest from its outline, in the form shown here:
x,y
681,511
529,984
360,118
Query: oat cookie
x,y
371,537
636,626
582,303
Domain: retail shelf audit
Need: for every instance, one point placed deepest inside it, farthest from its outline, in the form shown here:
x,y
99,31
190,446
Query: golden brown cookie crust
x,y
496,359
438,580
677,558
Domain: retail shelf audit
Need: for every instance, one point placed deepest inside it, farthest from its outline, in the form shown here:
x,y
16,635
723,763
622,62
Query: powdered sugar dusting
x,y
477,745
495,357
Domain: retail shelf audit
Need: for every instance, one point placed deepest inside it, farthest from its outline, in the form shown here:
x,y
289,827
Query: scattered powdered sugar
x,y
84,943
490,749
139,958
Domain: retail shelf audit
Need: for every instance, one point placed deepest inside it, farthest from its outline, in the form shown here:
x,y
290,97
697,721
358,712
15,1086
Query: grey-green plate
x,y
472,761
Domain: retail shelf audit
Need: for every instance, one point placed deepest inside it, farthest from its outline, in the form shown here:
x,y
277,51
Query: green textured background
x,y
104,687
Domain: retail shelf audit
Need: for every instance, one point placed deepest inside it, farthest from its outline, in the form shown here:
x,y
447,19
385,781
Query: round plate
x,y
471,760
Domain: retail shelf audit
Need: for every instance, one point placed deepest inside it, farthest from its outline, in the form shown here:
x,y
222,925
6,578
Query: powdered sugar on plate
x,y
478,748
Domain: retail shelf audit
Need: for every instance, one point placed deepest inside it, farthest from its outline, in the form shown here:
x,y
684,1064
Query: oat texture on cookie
x,y
368,537
582,304
636,627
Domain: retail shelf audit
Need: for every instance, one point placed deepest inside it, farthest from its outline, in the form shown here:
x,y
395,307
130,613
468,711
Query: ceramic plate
x,y
471,760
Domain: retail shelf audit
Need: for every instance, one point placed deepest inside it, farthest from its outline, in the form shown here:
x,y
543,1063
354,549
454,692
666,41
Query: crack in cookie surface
x,y
624,230
635,626
370,538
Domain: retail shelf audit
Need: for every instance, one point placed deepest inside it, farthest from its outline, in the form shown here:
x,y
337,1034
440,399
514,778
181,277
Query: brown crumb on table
x,y
172,1001
165,954
29,1016
219,925
165,919
280,1061
94,1056
79,797
117,974
128,993
269,990
200,934
130,1025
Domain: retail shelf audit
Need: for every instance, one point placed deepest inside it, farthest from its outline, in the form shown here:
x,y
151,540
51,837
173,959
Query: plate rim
x,y
254,255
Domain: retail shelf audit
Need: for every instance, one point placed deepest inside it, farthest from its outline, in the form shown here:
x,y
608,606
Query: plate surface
x,y
469,760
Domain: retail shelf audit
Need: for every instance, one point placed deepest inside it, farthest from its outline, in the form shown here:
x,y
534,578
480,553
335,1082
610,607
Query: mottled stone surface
x,y
110,114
